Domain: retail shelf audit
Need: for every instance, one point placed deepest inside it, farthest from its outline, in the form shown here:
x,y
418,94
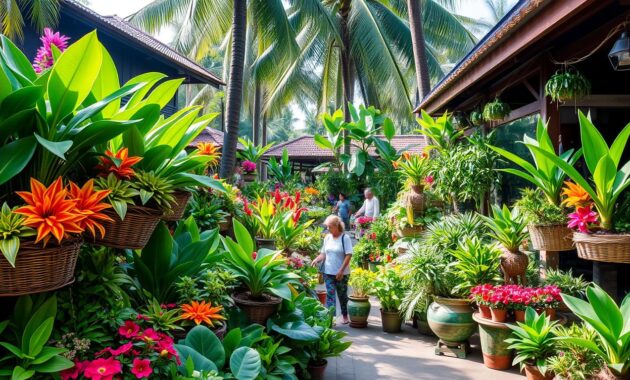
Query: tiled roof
x,y
127,31
513,20
304,147
211,135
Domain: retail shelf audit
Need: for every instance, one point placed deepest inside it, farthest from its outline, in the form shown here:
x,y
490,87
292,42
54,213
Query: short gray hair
x,y
368,190
336,221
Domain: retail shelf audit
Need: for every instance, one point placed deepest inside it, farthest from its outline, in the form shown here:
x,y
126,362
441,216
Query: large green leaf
x,y
9,248
156,255
164,92
593,144
245,363
134,141
46,311
205,342
58,148
21,99
388,129
106,83
15,156
55,364
149,79
73,75
17,61
5,85
619,145
22,123
40,337
200,362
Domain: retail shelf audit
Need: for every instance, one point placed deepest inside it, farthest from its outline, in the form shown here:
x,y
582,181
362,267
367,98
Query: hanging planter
x,y
567,84
133,232
553,237
476,118
496,110
610,248
177,210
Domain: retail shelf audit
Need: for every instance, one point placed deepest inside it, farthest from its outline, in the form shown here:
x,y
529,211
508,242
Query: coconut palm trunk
x,y
419,47
235,88
344,14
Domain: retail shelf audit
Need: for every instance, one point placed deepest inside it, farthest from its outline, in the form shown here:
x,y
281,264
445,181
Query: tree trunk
x,y
263,171
344,14
235,88
256,115
419,46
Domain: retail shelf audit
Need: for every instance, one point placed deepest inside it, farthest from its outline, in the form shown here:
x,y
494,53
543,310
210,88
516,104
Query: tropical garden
x,y
128,254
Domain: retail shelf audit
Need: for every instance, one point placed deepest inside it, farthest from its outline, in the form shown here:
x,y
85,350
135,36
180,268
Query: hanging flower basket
x,y
610,248
476,118
567,85
554,237
496,110
40,269
133,232
177,210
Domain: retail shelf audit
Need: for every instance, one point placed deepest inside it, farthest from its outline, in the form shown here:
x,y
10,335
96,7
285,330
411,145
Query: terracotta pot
x,y
492,335
359,311
415,198
451,319
532,373
249,177
266,243
514,266
498,315
551,313
391,321
317,370
257,310
321,294
484,311
519,315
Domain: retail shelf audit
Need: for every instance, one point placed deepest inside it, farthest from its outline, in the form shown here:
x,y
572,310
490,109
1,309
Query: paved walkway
x,y
404,356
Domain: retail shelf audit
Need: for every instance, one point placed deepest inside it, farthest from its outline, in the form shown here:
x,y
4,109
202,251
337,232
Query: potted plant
x,y
329,344
567,84
476,118
203,312
249,171
609,181
57,216
509,229
546,216
389,290
496,110
567,283
534,342
262,273
250,155
572,361
610,322
413,169
361,282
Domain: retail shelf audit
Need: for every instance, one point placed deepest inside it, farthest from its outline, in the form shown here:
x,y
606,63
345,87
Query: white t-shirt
x,y
370,207
333,250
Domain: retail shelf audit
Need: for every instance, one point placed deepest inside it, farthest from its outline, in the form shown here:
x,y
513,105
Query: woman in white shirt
x,y
335,254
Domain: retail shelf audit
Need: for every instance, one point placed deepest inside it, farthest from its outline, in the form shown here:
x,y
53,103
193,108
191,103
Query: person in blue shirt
x,y
342,208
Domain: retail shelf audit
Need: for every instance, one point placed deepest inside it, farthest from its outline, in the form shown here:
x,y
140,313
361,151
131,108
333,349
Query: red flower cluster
x,y
295,262
364,220
516,297
143,352
285,202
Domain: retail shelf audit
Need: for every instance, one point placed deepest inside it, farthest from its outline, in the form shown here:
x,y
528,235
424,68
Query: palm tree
x,y
42,13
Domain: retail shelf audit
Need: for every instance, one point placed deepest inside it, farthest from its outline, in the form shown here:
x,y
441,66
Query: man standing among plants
x,y
371,207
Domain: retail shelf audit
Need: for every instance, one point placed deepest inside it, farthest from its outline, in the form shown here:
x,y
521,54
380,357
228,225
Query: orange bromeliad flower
x,y
89,205
50,211
209,149
202,312
118,163
575,195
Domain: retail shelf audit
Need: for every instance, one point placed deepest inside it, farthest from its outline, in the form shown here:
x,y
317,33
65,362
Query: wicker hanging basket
x,y
611,248
38,269
133,232
177,210
555,237
257,311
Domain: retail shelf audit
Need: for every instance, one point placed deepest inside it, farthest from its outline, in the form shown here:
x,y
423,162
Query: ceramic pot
x,y
266,243
415,198
451,319
321,295
484,311
519,315
514,266
532,373
492,335
498,315
317,370
423,324
391,321
358,311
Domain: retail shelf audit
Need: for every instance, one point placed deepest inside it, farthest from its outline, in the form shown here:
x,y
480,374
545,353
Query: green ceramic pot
x,y
496,354
358,311
451,319
423,324
391,321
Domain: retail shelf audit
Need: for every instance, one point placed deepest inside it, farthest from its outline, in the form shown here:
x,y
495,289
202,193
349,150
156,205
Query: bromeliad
x,y
89,204
118,163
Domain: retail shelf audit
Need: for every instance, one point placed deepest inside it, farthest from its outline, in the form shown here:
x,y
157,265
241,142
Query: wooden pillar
x,y
605,275
550,113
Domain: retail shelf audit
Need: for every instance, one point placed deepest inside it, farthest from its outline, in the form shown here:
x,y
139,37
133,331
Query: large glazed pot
x,y
492,335
391,321
451,319
359,311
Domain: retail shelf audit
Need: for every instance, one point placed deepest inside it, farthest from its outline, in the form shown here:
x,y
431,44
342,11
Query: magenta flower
x,y
429,180
248,166
581,219
44,57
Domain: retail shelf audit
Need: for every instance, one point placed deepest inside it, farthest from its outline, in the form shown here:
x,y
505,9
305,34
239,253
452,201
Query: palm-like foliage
x,y
41,13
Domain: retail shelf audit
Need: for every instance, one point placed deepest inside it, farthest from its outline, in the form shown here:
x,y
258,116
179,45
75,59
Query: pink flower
x,y
248,166
102,369
129,329
122,349
254,255
44,57
141,368
74,372
150,335
429,180
581,219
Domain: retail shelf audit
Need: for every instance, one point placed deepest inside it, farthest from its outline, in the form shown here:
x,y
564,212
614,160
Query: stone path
x,y
403,356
